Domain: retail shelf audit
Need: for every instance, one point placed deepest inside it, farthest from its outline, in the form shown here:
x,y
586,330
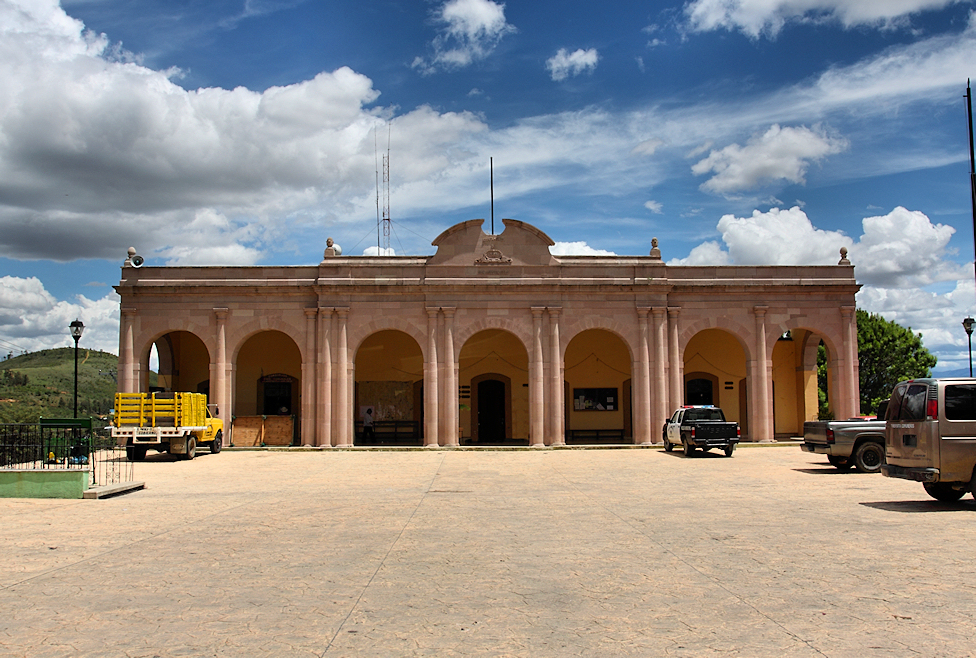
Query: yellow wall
x,y
387,365
597,359
719,353
497,351
785,387
266,353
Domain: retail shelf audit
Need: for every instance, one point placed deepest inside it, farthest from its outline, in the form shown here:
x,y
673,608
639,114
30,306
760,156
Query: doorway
x,y
491,411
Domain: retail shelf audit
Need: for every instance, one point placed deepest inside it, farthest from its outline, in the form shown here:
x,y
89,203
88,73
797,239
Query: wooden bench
x,y
596,436
391,432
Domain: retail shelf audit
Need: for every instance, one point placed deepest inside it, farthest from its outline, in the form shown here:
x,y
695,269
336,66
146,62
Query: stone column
x,y
323,369
676,386
342,412
537,406
659,400
450,382
852,395
557,398
127,357
761,425
308,379
641,380
431,410
218,387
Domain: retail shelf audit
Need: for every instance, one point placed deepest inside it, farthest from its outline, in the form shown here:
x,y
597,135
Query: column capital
x,y
554,311
343,311
674,311
325,311
310,313
537,311
449,311
658,311
847,311
642,312
128,311
221,313
432,311
760,311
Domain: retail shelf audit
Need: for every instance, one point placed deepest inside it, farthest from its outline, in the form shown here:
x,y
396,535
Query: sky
x,y
247,132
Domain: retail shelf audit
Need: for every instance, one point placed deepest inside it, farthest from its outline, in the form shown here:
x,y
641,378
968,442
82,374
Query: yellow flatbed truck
x,y
177,423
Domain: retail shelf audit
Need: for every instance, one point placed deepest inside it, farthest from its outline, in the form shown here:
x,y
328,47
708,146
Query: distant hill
x,y
41,384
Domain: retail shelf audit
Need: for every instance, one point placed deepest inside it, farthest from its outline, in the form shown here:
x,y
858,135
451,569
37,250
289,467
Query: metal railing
x,y
65,444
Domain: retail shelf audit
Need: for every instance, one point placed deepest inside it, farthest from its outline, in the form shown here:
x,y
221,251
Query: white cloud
x,y
470,31
654,206
577,249
647,147
41,322
379,251
896,258
757,17
564,63
778,154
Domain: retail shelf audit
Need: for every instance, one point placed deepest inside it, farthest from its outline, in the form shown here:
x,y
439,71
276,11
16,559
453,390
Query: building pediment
x,y
467,244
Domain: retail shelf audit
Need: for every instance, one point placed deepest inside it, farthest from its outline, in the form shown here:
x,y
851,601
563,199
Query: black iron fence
x,y
65,444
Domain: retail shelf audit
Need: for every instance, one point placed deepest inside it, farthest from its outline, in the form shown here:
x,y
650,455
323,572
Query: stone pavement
x,y
492,553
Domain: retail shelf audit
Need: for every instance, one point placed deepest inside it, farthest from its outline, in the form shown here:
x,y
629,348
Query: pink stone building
x,y
493,340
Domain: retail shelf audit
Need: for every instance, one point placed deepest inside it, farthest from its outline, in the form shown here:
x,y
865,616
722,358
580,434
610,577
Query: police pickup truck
x,y
700,426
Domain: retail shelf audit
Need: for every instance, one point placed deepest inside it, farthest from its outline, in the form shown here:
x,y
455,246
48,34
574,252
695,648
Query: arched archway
x,y
598,377
184,363
267,390
389,384
493,383
717,357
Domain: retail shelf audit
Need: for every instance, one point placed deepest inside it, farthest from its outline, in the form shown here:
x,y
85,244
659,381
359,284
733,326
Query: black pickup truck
x,y
700,426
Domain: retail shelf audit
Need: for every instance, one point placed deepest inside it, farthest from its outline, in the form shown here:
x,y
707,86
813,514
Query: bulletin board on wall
x,y
595,399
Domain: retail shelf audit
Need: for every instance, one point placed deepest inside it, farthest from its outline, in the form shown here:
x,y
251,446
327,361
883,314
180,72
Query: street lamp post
x,y
77,327
968,326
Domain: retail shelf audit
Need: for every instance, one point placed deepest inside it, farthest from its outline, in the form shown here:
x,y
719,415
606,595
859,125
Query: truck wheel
x,y
191,448
839,462
729,449
688,448
135,453
217,442
942,491
869,457
668,446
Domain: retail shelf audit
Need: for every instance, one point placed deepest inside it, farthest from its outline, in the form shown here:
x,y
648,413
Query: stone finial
x,y
843,257
655,252
331,248
128,259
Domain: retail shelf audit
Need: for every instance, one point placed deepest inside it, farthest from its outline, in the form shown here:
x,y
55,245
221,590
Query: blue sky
x,y
742,132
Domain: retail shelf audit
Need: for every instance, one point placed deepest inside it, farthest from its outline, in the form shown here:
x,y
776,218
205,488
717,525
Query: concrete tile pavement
x,y
491,553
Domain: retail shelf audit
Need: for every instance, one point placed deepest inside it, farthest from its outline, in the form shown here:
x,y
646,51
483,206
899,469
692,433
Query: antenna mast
x,y
386,196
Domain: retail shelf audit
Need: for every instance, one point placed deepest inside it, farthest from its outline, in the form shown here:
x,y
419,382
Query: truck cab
x,y
930,435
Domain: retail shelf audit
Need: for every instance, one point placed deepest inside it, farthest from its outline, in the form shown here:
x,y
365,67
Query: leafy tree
x,y
888,353
824,412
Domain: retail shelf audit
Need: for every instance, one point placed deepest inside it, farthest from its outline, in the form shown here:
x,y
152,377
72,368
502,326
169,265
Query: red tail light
x,y
830,435
738,432
932,409
692,432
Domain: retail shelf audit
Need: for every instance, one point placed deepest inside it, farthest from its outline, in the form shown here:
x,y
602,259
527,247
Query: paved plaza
x,y
612,552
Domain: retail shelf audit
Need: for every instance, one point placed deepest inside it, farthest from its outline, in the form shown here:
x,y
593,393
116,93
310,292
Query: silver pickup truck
x,y
855,442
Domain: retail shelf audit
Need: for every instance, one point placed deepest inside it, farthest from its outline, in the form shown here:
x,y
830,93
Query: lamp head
x,y
77,327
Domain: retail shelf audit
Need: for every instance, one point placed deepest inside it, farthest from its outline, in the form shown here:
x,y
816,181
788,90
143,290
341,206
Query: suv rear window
x,y
704,414
960,402
908,403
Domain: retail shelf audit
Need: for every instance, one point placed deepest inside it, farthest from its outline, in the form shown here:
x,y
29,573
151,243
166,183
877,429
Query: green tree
x,y
888,353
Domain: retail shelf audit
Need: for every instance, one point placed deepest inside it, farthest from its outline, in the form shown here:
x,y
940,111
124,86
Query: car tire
x,y
687,447
668,446
841,463
729,449
869,457
217,443
191,448
943,492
